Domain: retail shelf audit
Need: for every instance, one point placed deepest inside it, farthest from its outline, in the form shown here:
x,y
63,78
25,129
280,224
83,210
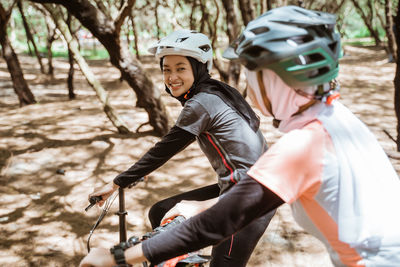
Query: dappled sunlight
x,y
52,155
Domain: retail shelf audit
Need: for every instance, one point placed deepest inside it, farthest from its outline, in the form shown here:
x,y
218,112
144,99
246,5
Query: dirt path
x,y
53,153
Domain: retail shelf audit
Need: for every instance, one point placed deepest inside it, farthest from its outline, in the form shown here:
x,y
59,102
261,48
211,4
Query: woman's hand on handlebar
x,y
104,191
101,257
98,257
188,208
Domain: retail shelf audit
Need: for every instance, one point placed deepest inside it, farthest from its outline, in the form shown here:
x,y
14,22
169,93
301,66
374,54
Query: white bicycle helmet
x,y
185,43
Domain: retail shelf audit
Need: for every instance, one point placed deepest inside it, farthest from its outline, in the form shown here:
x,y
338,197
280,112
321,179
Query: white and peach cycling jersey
x,y
338,180
302,168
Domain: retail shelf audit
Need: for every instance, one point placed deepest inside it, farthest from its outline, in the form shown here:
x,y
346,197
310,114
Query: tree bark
x,y
397,76
157,20
71,71
367,18
20,85
70,79
268,4
192,21
392,47
135,36
30,37
247,11
51,37
90,77
232,31
131,70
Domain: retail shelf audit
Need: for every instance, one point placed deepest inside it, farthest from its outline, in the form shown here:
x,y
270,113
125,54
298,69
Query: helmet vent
x,y
308,59
301,39
316,57
253,51
333,46
260,30
319,72
320,30
205,48
180,40
302,12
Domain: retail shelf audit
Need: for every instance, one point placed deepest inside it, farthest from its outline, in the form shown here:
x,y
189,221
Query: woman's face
x,y
178,74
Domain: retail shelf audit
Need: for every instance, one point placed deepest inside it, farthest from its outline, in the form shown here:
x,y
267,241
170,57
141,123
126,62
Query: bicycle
x,y
193,259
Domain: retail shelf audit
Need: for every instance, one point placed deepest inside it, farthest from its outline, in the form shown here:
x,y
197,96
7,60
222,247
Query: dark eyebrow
x,y
177,64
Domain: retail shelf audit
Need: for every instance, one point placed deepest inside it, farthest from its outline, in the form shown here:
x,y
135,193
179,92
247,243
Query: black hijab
x,y
204,83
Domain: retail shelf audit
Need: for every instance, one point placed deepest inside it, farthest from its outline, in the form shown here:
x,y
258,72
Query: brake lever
x,y
93,200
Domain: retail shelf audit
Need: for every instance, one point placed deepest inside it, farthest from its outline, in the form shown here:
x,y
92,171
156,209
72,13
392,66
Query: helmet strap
x,y
305,106
267,103
265,98
328,96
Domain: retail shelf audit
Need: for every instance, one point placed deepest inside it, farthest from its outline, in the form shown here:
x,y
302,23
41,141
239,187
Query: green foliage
x,y
360,42
98,53
362,32
177,14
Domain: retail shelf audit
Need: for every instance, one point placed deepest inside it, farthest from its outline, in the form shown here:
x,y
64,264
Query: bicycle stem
x,y
122,215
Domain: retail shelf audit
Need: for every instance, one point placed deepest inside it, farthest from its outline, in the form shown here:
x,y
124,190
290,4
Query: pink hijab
x,y
284,101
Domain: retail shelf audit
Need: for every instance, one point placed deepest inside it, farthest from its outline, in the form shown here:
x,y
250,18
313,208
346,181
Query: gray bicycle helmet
x,y
300,45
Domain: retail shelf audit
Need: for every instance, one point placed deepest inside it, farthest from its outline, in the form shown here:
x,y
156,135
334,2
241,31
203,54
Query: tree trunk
x,y
70,79
269,4
232,31
107,32
247,11
192,21
20,85
392,47
248,14
51,37
30,37
367,18
397,76
90,77
135,36
157,19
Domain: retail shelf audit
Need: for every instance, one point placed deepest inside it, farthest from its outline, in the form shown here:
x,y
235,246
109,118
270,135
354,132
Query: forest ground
x,y
53,153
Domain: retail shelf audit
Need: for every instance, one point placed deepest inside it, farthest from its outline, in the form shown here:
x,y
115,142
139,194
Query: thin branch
x,y
6,13
125,11
103,9
389,135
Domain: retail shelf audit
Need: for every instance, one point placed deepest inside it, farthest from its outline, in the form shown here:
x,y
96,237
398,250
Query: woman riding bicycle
x,y
328,166
226,128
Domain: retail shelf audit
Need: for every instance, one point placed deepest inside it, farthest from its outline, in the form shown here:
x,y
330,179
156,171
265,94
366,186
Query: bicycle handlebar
x,y
93,200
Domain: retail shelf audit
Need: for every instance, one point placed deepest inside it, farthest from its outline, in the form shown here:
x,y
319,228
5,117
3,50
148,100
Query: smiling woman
x,y
178,74
224,125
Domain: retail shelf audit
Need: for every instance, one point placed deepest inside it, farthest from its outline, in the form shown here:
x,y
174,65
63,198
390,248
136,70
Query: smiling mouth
x,y
175,86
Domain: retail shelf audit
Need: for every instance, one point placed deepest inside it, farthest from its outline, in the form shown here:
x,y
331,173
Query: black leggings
x,y
234,251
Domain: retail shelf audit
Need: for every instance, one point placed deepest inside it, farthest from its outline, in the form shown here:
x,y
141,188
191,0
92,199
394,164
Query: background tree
x,y
232,29
20,85
73,50
107,30
29,36
367,11
115,24
52,36
397,76
392,47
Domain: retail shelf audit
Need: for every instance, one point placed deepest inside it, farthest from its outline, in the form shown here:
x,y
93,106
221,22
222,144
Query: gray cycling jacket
x,y
227,140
